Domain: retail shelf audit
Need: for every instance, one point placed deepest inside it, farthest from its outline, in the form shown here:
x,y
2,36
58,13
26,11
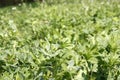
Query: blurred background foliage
x,y
60,40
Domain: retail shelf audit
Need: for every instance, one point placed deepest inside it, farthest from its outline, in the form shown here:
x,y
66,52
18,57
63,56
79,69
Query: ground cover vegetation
x,y
60,40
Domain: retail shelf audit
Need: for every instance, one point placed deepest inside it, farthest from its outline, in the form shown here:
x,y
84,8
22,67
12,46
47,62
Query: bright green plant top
x,y
76,40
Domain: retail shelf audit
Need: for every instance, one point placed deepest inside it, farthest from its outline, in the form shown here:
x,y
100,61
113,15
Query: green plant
x,y
61,40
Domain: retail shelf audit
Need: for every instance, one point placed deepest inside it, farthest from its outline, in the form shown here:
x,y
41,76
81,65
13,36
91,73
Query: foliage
x,y
67,41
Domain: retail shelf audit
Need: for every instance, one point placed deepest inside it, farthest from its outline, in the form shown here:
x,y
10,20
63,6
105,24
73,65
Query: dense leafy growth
x,y
60,40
